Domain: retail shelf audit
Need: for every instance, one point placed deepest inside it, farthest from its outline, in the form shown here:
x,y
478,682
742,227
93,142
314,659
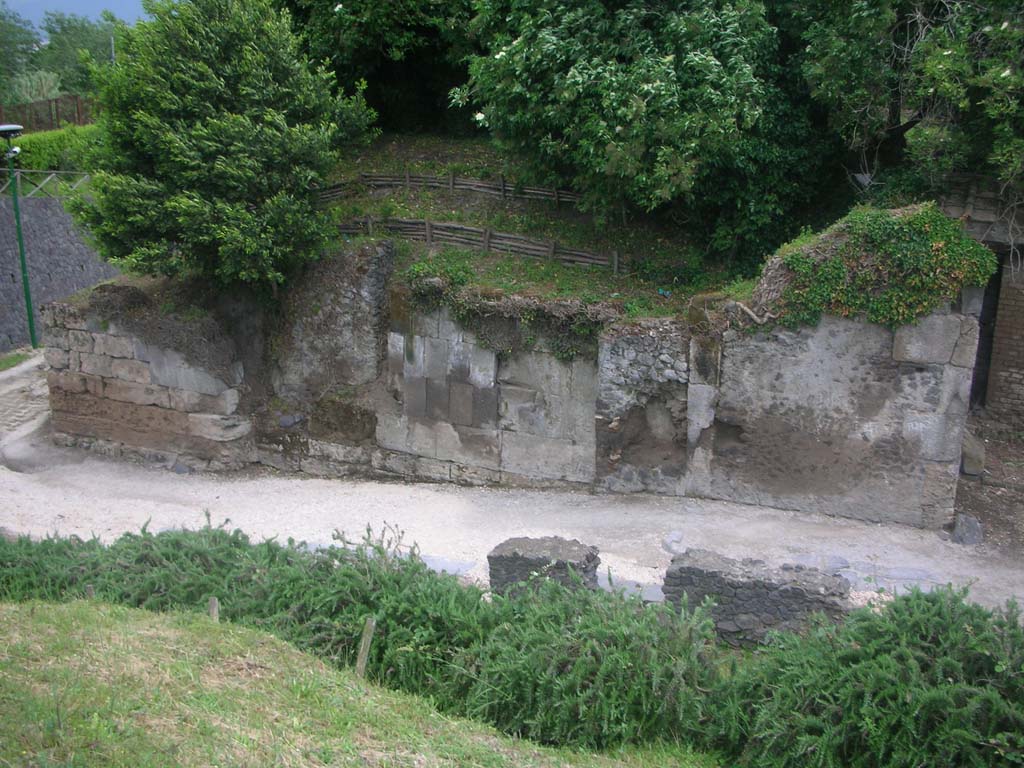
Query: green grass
x,y
12,359
428,155
88,684
495,274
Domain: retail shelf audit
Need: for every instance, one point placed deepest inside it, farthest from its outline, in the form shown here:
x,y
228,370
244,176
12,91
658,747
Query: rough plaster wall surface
x,y
59,264
847,418
335,318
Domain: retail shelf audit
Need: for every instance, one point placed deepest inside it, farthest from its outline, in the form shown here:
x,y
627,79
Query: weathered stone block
x,y
751,598
460,403
130,370
483,368
56,358
414,364
537,371
95,365
220,429
75,383
468,445
516,561
170,369
56,338
485,407
529,411
972,299
931,340
972,459
140,394
414,396
546,457
80,341
113,346
966,351
392,432
436,360
437,399
225,404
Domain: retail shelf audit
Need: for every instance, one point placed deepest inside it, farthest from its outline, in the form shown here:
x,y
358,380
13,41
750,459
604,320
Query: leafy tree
x,y
17,40
35,85
214,134
939,81
411,52
68,37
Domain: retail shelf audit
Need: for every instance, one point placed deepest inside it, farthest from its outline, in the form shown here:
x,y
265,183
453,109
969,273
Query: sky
x,y
33,10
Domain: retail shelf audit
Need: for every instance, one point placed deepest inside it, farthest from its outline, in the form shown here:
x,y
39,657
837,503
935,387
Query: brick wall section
x,y
112,392
1005,398
59,263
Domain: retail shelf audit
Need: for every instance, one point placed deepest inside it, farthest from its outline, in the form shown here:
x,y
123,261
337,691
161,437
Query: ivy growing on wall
x,y
889,266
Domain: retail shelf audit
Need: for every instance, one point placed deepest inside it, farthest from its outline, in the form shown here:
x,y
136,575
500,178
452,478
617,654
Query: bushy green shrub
x,y
62,150
891,267
930,680
215,134
591,668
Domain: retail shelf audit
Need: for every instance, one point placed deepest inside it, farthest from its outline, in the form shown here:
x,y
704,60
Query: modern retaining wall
x,y
846,418
59,263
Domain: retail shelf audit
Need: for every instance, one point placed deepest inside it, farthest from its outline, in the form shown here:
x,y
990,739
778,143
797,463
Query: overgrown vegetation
x,y
927,679
930,680
891,267
89,684
214,134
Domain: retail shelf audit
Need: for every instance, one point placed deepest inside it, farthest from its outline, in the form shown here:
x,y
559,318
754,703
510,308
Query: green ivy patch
x,y
889,266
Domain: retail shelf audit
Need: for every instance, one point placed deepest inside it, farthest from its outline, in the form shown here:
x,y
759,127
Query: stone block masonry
x,y
110,391
751,599
59,262
1005,397
518,560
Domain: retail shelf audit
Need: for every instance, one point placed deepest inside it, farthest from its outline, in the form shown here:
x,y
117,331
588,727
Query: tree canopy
x,y
215,133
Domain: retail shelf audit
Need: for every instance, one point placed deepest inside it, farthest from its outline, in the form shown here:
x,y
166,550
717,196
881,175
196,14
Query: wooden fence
x,y
50,113
43,183
448,233
451,183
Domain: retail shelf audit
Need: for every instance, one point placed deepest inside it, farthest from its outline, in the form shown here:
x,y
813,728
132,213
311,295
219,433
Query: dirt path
x,y
44,490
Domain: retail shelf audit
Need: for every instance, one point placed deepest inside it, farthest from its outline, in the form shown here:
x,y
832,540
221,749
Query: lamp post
x,y
11,132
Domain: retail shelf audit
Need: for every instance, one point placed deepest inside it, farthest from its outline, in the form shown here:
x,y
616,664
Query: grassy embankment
x,y
88,684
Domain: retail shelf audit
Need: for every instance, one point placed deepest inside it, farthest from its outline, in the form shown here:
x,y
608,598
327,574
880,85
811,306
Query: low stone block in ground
x,y
566,561
751,598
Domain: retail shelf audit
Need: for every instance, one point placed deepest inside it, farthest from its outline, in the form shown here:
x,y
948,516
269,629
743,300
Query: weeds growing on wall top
x,y
890,267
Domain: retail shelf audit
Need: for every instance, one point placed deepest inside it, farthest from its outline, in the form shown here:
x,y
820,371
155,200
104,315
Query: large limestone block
x,y
547,458
95,365
468,445
220,429
130,370
113,346
132,392
169,368
931,340
967,345
537,371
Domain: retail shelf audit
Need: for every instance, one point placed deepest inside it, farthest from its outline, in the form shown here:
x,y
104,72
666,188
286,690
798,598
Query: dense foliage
x,y
925,680
66,149
932,680
17,41
625,101
409,52
943,78
215,133
891,267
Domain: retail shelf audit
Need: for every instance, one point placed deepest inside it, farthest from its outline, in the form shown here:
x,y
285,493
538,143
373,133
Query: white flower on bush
x,y
480,118
337,8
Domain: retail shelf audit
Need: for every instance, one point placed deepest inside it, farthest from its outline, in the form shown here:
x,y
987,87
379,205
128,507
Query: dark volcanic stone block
x,y
517,560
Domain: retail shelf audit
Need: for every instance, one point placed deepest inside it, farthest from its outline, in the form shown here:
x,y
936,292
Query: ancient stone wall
x,y
59,264
845,418
751,599
1005,400
113,392
522,418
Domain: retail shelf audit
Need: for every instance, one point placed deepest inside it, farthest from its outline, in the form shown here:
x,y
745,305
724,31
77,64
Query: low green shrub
x,y
930,680
62,150
591,668
890,266
633,675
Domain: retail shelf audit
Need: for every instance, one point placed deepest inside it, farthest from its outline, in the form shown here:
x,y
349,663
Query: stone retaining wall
x,y
110,390
752,599
845,418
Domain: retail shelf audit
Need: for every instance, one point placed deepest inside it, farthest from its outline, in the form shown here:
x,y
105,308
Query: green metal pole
x,y
21,252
